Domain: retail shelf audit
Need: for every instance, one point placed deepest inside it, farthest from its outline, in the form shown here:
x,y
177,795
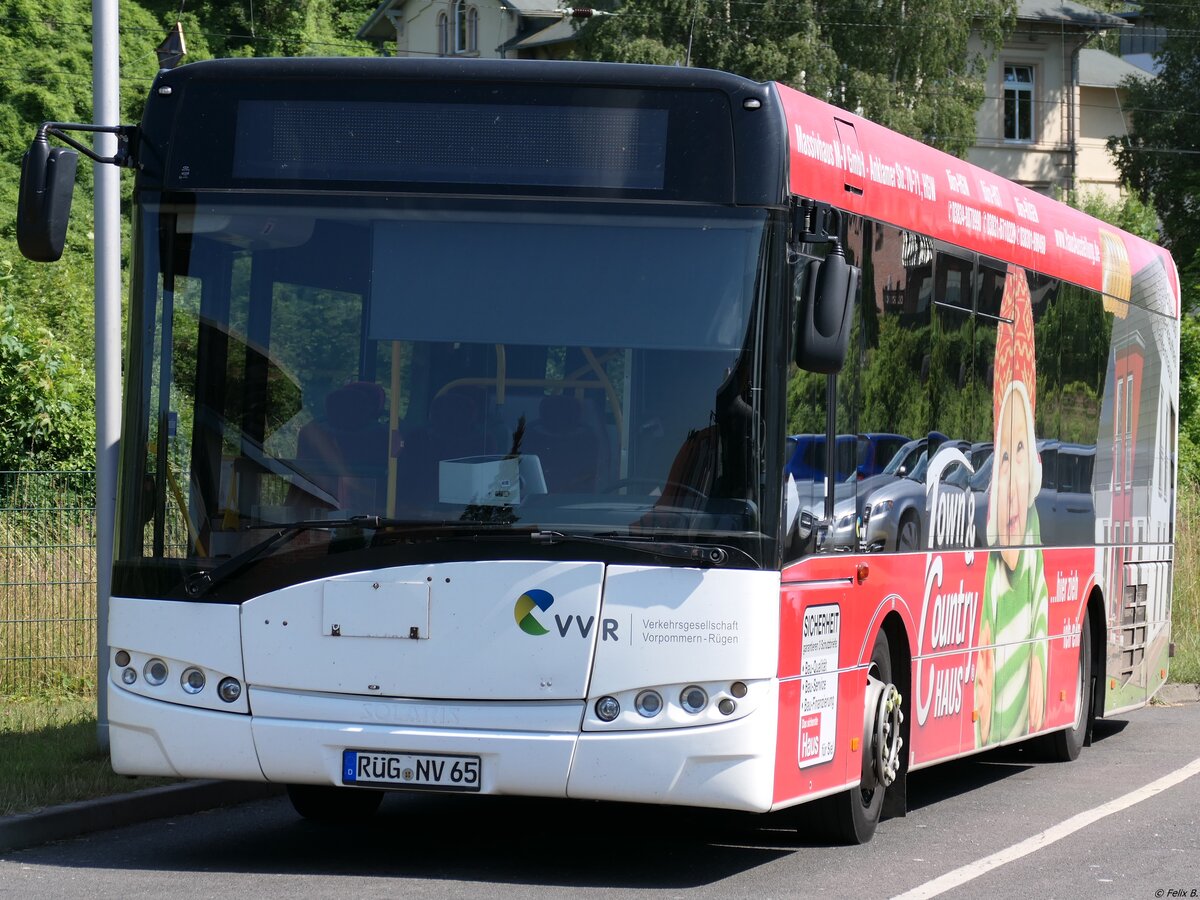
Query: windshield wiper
x,y
200,583
707,554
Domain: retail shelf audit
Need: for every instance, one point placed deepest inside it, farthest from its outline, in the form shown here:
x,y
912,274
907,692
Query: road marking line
x,y
971,871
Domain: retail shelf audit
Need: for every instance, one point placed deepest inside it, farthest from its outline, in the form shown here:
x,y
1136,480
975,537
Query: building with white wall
x,y
1052,99
496,29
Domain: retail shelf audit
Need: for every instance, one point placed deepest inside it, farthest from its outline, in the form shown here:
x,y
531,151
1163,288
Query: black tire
x,y
852,816
1064,746
908,534
325,803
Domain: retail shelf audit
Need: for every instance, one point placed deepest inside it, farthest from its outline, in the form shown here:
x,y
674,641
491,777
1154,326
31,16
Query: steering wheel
x,y
652,483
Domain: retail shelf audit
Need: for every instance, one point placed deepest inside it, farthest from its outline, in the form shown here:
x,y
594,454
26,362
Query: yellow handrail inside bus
x,y
177,493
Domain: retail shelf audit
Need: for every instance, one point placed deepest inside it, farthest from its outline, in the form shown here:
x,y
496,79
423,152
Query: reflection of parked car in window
x,y
852,494
896,516
1065,509
903,461
1072,520
860,456
805,455
981,452
876,450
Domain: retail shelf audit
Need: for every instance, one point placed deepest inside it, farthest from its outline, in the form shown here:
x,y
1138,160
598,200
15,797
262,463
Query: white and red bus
x,y
453,458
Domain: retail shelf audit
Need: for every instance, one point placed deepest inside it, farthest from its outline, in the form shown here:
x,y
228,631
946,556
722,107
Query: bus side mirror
x,y
823,317
44,201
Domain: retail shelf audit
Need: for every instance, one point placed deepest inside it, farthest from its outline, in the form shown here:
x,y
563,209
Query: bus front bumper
x,y
524,749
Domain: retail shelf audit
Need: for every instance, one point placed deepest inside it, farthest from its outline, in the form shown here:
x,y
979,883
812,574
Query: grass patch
x,y
51,755
1185,605
47,601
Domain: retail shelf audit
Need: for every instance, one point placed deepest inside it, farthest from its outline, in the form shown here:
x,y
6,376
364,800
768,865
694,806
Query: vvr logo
x,y
535,601
526,604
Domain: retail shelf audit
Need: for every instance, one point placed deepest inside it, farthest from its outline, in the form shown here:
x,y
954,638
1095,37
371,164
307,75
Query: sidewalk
x,y
72,819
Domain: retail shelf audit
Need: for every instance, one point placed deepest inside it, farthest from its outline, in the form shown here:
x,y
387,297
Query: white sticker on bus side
x,y
819,684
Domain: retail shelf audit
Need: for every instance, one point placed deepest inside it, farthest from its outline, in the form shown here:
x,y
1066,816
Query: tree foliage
x,y
45,398
1130,213
903,63
276,27
47,387
1161,156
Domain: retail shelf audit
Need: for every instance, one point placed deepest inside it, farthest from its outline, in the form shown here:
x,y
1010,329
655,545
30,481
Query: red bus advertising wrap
x,y
850,162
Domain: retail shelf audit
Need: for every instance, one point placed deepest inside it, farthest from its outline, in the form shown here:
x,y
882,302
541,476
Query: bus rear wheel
x,y
325,803
852,817
1064,746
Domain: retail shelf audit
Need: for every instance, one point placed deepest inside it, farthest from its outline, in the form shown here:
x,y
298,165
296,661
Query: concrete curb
x,y
72,819
1172,694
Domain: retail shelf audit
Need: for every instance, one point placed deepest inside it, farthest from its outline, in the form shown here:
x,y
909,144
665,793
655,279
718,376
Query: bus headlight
x,y
607,709
155,671
229,689
648,704
192,681
693,699
174,680
685,704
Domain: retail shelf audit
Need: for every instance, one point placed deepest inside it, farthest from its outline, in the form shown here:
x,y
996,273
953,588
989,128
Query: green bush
x,y
47,400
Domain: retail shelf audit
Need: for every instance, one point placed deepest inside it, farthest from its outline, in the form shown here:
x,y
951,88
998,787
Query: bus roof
x,y
832,156
847,161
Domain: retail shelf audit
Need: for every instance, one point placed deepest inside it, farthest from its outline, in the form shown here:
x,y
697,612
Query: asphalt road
x,y
1119,822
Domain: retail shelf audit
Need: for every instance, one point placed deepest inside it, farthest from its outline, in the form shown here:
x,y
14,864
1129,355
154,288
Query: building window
x,y
1129,435
1018,103
443,35
466,27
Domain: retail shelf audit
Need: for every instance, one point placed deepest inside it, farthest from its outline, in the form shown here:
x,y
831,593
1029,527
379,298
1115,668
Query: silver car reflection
x,y
897,515
843,532
1064,503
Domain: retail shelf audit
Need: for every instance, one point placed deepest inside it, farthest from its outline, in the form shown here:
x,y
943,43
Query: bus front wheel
x,y
852,816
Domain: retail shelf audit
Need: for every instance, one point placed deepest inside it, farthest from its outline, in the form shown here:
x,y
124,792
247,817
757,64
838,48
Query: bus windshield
x,y
564,366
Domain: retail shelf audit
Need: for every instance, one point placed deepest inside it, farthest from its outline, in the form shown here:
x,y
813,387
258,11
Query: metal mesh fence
x,y
47,581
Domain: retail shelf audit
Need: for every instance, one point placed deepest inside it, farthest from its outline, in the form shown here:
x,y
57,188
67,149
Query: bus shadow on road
x,y
930,786
544,843
519,841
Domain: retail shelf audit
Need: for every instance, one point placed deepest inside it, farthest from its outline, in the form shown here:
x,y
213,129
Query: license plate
x,y
414,771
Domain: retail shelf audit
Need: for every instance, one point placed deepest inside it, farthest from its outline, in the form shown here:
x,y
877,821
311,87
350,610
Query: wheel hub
x,y
881,733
